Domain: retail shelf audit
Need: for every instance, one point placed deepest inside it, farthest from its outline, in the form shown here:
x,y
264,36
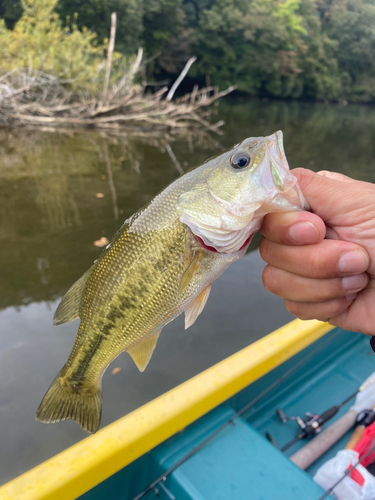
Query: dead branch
x,y
111,46
180,78
42,100
29,97
172,156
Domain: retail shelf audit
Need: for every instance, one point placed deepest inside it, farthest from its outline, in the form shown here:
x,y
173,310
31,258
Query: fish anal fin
x,y
196,307
189,273
141,353
68,309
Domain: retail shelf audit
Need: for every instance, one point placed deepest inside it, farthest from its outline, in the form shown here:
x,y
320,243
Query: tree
x,y
39,41
251,44
96,15
10,11
317,57
352,24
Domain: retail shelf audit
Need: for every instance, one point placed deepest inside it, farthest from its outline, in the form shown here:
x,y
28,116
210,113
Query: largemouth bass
x,y
161,263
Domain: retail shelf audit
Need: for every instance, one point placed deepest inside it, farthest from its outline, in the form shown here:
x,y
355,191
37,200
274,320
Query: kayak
x,y
220,434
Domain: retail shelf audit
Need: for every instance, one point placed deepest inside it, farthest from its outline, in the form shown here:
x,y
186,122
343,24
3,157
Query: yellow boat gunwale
x,y
76,470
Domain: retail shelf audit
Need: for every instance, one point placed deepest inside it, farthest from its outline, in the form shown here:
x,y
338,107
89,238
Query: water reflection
x,y
49,211
49,179
316,136
50,215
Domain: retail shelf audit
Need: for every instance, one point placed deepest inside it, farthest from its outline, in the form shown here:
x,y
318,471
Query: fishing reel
x,y
365,418
310,423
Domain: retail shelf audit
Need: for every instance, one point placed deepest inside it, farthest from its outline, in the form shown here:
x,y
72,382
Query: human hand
x,y
323,263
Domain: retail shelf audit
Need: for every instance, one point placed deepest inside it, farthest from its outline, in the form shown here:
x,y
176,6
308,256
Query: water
x,y
50,216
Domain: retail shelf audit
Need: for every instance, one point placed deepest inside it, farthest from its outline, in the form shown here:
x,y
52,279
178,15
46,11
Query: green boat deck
x,y
240,462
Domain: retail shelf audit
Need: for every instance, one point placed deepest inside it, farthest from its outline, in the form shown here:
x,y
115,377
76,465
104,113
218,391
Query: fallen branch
x,y
31,97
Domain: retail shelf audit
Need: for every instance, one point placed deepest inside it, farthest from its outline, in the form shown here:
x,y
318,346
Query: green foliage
x,y
252,44
315,49
96,15
10,11
352,24
319,73
146,23
39,41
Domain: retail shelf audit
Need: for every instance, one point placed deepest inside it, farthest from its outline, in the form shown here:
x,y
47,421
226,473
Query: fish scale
x,y
161,263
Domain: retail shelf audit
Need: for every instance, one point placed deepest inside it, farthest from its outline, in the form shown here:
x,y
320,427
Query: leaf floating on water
x,y
102,242
99,195
115,370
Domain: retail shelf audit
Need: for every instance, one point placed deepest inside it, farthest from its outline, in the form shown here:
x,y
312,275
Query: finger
x,y
330,198
360,316
293,287
336,175
293,228
327,259
323,311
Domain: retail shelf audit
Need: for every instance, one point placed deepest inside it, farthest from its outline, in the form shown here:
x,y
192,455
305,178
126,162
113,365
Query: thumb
x,y
332,196
336,176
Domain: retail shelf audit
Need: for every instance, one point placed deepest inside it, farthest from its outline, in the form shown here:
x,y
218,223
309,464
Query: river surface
x,y
62,191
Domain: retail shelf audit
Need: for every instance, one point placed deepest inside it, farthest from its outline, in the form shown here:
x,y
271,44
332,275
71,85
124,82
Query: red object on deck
x,y
365,444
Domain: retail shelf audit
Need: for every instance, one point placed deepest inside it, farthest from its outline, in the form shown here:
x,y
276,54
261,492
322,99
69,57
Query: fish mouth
x,y
214,250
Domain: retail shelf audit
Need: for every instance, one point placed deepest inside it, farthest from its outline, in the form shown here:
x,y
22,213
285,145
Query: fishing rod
x,y
243,410
311,424
346,474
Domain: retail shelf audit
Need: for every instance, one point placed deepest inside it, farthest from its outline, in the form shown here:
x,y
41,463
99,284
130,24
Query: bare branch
x,y
40,99
180,78
175,162
111,46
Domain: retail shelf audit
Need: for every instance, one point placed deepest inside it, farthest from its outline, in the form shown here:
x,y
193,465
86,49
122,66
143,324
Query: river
x,y
60,191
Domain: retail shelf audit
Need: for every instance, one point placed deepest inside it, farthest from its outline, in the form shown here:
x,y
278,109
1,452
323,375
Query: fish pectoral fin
x,y
68,309
196,307
141,353
189,273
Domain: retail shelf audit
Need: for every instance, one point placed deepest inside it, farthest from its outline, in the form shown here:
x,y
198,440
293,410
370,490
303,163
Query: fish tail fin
x,y
61,403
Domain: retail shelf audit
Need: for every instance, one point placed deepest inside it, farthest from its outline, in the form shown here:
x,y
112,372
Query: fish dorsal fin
x,y
196,307
70,304
189,273
141,353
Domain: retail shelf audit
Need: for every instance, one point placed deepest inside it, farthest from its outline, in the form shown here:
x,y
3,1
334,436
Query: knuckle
x,y
335,307
293,307
329,290
264,249
269,278
315,265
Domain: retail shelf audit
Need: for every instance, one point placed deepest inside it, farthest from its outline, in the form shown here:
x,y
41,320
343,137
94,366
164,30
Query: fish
x,y
161,263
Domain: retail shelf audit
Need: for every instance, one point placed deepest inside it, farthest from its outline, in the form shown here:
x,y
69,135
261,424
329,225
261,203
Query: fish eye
x,y
240,160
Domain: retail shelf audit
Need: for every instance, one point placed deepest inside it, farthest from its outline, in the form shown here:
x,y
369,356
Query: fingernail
x,y
304,232
354,261
351,297
355,282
